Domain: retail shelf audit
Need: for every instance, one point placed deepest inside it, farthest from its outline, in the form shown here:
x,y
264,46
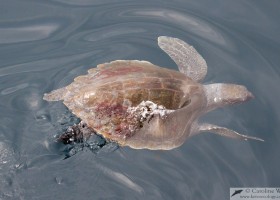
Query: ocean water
x,y
45,44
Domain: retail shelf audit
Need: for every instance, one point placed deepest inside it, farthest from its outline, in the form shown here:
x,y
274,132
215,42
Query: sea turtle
x,y
144,106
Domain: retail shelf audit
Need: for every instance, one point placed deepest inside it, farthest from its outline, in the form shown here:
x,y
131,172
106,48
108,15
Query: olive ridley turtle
x,y
144,106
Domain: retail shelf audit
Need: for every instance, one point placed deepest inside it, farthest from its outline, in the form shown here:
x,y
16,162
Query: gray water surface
x,y
45,44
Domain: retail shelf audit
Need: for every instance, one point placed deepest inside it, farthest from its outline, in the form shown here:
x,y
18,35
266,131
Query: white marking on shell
x,y
147,109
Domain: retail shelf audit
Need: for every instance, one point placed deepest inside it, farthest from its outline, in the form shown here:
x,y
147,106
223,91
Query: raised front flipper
x,y
188,60
225,132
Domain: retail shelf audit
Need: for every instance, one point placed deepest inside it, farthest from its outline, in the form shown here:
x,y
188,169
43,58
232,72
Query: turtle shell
x,y
103,97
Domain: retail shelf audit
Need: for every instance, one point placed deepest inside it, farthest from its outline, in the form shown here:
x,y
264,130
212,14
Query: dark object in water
x,y
76,134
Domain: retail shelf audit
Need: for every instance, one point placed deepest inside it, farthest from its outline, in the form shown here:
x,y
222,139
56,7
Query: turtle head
x,y
220,94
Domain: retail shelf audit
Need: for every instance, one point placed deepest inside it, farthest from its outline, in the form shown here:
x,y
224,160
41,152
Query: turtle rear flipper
x,y
55,95
225,132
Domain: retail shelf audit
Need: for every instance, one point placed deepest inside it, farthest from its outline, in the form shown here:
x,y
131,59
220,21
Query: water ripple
x,y
121,178
26,33
14,89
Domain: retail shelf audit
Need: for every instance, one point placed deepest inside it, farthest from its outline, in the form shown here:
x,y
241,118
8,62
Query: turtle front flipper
x,y
188,60
224,132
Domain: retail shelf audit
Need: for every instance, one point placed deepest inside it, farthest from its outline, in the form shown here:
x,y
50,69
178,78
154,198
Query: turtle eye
x,y
185,103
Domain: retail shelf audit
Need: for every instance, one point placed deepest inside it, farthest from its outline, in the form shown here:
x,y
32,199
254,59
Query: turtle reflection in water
x,y
144,106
